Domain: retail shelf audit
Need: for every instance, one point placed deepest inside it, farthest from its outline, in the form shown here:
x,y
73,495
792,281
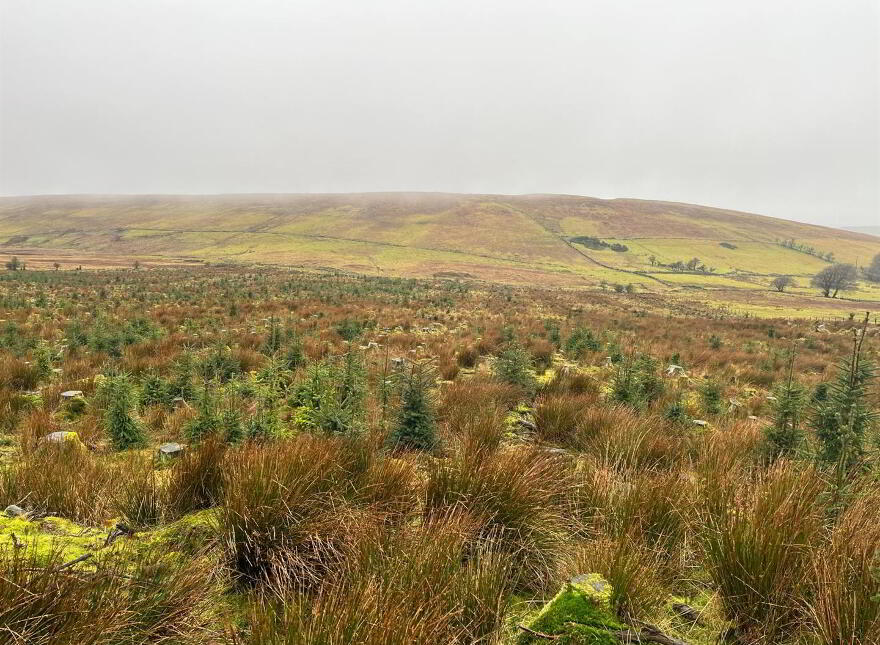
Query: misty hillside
x,y
555,239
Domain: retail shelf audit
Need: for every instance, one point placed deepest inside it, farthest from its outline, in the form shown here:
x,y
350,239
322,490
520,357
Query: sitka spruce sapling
x,y
416,427
123,427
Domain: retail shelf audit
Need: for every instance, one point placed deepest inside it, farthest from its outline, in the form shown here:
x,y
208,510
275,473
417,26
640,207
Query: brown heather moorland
x,y
382,460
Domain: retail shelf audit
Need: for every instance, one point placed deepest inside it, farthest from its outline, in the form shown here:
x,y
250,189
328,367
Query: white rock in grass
x,y
171,449
14,511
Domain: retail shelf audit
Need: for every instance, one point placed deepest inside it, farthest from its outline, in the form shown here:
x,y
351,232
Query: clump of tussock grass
x,y
558,417
63,479
195,480
285,508
633,569
138,497
844,580
148,599
520,495
757,539
418,585
18,374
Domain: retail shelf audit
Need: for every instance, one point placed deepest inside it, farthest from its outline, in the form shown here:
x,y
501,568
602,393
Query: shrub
x,y
710,394
331,398
784,436
580,342
843,415
635,382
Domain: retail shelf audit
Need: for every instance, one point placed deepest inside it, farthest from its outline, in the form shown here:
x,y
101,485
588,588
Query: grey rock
x,y
14,511
71,394
171,449
528,425
700,422
59,436
586,578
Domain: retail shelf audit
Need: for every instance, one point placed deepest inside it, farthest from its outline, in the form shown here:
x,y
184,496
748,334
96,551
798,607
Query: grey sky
x,y
763,105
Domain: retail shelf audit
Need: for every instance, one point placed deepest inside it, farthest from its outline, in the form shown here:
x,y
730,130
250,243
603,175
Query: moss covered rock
x,y
47,536
580,614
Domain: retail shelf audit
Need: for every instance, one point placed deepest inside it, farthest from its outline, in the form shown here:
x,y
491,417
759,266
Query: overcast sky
x,y
769,106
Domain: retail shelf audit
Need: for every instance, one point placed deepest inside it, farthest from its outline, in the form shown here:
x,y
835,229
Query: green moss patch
x,y
49,535
580,614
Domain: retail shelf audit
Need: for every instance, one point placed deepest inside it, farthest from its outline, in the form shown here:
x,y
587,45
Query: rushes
x,y
145,601
519,497
845,600
408,587
196,478
757,542
283,508
63,479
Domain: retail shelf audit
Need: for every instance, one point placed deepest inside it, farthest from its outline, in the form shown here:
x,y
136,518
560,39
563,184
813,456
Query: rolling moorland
x,y
523,240
440,428
230,456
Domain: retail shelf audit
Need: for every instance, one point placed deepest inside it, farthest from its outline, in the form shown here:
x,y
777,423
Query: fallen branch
x,y
119,530
82,558
549,637
648,633
688,613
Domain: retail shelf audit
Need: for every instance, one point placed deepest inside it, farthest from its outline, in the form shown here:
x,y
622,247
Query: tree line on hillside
x,y
695,265
806,248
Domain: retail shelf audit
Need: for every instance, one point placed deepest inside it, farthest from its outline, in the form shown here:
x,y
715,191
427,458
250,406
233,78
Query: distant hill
x,y
524,238
868,230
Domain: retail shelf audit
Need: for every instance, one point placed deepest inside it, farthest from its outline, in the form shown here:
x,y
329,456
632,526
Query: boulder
x,y
14,511
62,436
170,449
71,394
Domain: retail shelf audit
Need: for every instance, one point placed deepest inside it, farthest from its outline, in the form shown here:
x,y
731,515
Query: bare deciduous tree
x,y
781,282
837,277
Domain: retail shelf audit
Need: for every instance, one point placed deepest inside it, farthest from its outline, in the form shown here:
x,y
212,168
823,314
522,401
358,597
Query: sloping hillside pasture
x,y
513,239
380,460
